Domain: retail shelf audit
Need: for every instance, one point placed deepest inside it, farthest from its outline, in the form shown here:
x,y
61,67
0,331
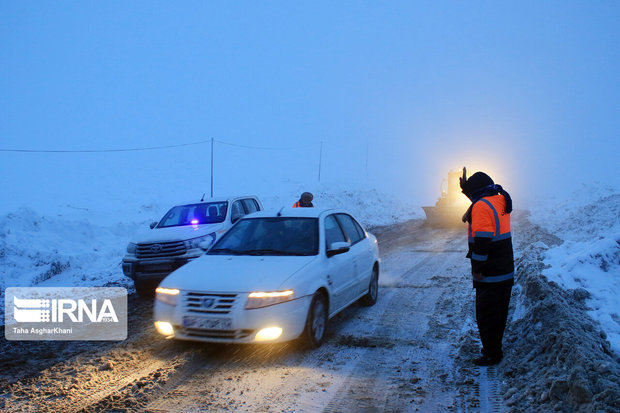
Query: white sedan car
x,y
270,278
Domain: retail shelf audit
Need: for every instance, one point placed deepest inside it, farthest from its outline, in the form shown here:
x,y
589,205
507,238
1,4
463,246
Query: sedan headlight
x,y
264,299
131,248
195,242
167,295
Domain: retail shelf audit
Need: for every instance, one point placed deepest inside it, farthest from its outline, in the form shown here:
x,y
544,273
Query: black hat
x,y
476,182
307,197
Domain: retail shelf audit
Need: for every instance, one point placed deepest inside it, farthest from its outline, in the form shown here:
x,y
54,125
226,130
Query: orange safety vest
x,y
296,205
490,241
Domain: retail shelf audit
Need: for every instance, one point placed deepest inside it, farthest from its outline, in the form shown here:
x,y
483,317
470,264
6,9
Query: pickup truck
x,y
184,233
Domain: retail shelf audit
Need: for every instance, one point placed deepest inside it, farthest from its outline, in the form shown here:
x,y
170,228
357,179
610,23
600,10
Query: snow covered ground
x,y
589,258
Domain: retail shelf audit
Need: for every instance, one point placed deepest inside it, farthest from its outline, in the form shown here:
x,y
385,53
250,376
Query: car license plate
x,y
207,323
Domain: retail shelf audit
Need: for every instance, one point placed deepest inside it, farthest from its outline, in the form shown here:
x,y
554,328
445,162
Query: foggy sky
x,y
398,92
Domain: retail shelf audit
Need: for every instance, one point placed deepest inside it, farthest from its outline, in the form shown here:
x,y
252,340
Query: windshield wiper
x,y
268,252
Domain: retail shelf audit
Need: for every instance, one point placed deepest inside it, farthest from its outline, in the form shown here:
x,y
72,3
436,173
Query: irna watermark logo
x,y
89,313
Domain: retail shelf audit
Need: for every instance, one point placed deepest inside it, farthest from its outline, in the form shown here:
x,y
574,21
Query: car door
x,y
341,274
359,251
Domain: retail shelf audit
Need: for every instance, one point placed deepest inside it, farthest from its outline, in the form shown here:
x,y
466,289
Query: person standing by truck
x,y
492,260
305,201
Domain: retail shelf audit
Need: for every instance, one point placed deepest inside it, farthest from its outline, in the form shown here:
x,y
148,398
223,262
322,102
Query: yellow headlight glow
x,y
269,333
169,291
164,328
272,294
264,299
167,295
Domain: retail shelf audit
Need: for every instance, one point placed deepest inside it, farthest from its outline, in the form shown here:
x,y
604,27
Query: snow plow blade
x,y
444,217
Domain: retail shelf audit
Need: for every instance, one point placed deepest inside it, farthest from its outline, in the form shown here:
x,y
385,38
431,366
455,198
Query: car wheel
x,y
373,289
316,323
144,290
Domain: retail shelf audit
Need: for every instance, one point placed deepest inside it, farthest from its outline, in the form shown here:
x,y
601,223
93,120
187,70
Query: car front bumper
x,y
244,324
153,270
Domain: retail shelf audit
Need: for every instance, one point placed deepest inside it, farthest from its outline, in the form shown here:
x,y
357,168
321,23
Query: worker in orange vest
x,y
305,201
492,260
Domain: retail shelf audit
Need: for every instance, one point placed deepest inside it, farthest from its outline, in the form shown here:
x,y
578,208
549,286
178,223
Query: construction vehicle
x,y
450,207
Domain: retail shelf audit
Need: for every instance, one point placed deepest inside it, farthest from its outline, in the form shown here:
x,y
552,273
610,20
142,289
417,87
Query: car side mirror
x,y
153,224
235,218
338,248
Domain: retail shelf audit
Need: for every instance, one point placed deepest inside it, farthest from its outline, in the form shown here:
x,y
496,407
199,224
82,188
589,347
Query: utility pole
x,y
212,139
366,158
320,160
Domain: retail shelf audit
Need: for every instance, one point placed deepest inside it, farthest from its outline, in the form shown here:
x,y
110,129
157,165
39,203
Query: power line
x,y
105,150
266,147
149,148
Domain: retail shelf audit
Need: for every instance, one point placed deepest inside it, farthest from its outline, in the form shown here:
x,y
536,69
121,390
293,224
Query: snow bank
x,y
589,258
556,357
369,205
60,251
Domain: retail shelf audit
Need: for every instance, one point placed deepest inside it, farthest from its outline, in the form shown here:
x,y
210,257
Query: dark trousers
x,y
491,314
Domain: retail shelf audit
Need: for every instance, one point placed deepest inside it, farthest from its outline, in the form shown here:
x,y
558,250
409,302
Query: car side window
x,y
237,211
348,224
333,232
250,205
360,230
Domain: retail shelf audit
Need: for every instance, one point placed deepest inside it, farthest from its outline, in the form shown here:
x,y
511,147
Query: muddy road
x,y
403,354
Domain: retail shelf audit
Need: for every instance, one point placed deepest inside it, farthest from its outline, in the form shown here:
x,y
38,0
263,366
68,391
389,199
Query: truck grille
x,y
209,303
160,249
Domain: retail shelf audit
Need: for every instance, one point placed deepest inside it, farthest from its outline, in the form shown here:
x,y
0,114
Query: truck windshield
x,y
270,236
195,214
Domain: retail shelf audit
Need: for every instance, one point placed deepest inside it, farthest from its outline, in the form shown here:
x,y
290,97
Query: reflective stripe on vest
x,y
497,278
494,215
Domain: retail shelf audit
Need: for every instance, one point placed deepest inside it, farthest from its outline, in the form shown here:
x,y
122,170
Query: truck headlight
x,y
167,295
131,248
264,299
196,242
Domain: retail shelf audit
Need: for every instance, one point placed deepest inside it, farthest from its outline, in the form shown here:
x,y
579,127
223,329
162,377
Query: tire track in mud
x,y
134,390
214,381
479,388
399,387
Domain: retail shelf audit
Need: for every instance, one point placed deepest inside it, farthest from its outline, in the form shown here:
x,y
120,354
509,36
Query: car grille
x,y
209,303
160,249
215,334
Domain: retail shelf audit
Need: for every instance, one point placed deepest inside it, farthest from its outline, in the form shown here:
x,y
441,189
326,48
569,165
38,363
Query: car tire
x,y
373,289
144,290
316,322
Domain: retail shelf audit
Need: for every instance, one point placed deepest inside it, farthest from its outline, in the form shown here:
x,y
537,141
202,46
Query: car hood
x,y
238,273
175,233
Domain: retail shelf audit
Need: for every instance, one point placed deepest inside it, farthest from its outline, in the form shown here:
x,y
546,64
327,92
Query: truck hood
x,y
238,273
175,233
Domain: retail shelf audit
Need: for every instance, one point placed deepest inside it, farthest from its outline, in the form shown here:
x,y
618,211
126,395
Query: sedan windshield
x,y
270,236
195,214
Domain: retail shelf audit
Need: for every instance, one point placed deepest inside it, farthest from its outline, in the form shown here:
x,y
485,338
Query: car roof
x,y
216,199
296,213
